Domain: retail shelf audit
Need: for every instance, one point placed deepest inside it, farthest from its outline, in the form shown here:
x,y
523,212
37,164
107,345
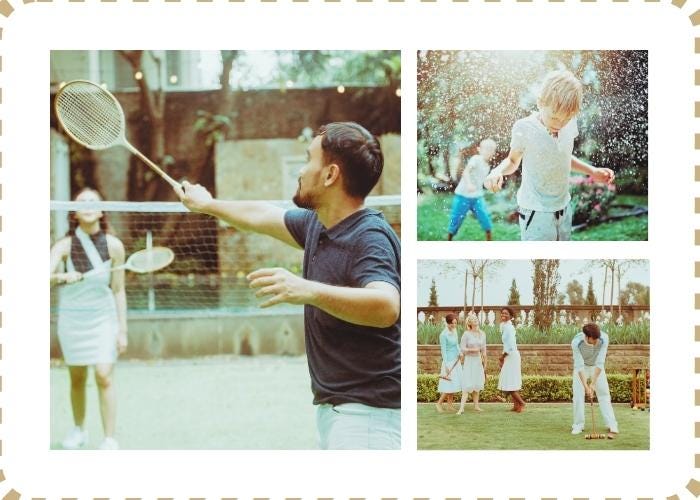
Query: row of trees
x,y
546,279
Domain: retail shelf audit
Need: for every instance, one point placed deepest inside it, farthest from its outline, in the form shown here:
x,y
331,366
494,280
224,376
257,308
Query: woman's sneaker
x,y
109,444
76,439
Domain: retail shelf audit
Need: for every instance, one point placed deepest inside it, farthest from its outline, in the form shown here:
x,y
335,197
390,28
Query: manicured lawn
x,y
434,217
542,426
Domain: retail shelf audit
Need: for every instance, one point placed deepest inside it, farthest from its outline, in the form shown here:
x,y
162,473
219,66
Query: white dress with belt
x,y
87,312
510,378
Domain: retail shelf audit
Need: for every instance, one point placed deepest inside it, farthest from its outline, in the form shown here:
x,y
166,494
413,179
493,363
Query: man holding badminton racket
x,y
590,347
350,286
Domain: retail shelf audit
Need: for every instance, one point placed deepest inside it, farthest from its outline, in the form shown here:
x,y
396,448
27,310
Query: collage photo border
x,y
687,8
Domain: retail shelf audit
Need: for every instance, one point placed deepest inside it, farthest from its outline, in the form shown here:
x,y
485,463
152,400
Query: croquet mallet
x,y
594,434
446,376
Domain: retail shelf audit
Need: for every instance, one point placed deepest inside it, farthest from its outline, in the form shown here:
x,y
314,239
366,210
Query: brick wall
x,y
545,359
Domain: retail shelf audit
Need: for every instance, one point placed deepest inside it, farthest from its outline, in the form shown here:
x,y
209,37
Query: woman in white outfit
x,y
510,378
91,314
473,349
450,380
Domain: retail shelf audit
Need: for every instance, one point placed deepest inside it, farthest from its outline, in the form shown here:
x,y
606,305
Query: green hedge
x,y
536,388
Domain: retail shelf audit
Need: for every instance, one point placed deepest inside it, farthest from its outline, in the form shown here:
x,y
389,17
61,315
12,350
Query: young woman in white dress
x,y
473,349
510,378
91,314
450,380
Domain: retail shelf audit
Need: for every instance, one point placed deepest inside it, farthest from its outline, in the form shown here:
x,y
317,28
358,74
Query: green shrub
x,y
536,388
591,200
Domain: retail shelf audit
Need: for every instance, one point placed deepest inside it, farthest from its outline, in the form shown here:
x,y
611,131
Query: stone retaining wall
x,y
545,359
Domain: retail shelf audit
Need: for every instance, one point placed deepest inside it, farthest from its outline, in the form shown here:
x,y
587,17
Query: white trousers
x,y
602,392
355,426
545,226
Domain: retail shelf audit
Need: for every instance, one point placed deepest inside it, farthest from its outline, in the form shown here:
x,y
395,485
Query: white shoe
x,y
576,429
76,439
109,443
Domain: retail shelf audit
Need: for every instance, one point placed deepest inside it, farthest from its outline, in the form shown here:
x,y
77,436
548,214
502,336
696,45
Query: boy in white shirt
x,y
469,193
544,141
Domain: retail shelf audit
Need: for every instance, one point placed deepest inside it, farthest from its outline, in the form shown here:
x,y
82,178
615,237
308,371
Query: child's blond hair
x,y
562,92
488,142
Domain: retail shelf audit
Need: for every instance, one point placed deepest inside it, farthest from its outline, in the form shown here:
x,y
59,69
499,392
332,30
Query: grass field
x,y
230,402
434,217
542,426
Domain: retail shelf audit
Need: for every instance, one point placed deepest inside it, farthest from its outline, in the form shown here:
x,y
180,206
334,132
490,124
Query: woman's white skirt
x,y
472,374
455,382
510,378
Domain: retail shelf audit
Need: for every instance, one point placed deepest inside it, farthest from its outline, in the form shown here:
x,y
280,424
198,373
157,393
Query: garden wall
x,y
544,359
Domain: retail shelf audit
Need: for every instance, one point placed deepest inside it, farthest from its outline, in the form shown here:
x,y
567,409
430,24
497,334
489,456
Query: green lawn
x,y
434,217
542,426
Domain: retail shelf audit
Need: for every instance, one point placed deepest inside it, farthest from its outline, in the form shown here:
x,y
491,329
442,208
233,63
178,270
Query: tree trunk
x,y
612,286
446,161
466,283
619,290
148,182
482,293
605,285
223,106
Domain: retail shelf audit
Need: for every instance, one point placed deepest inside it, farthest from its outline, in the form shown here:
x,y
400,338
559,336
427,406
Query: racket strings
x,y
150,259
90,114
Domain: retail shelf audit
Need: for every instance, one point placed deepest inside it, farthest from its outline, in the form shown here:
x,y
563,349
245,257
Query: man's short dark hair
x,y
358,154
510,311
450,318
591,330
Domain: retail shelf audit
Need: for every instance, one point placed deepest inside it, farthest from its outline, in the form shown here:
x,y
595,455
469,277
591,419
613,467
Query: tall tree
x,y
635,293
617,269
590,294
574,290
480,269
513,294
433,300
476,268
545,280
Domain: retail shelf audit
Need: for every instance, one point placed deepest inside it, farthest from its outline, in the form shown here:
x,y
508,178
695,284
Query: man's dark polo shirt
x,y
350,363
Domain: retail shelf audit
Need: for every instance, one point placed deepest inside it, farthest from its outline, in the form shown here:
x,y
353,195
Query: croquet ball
x,y
635,408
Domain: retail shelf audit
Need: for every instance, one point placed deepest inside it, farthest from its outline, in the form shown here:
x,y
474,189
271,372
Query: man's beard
x,y
303,201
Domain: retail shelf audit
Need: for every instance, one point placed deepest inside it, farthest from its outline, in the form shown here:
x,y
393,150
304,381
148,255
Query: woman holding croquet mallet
x,y
510,378
473,349
450,380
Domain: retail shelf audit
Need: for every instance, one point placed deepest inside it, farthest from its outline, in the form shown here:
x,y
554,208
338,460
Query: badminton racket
x,y
93,117
147,260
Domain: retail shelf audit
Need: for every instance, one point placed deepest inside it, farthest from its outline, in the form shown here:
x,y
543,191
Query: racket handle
x,y
97,272
173,183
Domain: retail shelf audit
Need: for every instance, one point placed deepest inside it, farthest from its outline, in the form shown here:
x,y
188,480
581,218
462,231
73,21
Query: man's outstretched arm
x,y
258,216
378,304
